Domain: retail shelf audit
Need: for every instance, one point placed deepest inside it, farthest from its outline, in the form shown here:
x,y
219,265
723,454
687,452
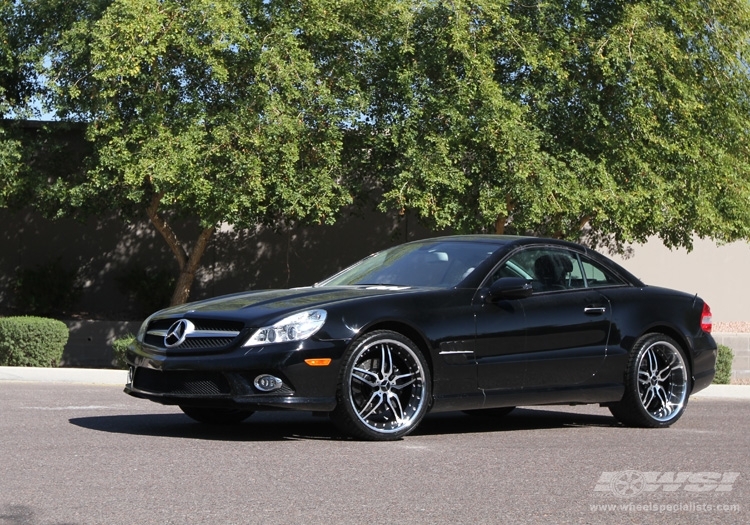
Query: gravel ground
x,y
734,327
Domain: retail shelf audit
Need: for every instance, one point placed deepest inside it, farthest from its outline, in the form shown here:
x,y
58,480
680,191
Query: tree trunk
x,y
500,225
503,217
187,273
187,262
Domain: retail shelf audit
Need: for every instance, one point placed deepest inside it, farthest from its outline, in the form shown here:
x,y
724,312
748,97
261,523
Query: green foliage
x,y
9,147
724,365
32,341
223,111
48,288
629,119
120,346
226,111
619,119
9,165
150,289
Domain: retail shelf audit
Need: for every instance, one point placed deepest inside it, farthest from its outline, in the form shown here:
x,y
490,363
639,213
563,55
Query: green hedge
x,y
31,341
724,365
120,346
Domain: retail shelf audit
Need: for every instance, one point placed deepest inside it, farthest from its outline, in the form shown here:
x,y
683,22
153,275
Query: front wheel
x,y
657,384
384,387
216,416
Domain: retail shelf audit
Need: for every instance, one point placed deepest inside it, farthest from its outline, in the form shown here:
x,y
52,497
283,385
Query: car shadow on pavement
x,y
262,426
518,420
278,426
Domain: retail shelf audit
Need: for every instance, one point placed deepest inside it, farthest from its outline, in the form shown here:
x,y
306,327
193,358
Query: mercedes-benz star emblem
x,y
178,332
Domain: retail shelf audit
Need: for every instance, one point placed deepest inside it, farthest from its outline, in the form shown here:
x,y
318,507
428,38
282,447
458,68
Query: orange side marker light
x,y
319,361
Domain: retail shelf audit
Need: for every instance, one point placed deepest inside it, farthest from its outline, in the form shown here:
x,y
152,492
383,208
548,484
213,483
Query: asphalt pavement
x,y
94,376
87,454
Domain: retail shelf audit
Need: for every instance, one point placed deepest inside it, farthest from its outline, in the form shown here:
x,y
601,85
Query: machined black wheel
x,y
216,416
384,387
657,384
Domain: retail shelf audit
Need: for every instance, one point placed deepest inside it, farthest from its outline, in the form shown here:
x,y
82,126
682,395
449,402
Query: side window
x,y
596,275
548,269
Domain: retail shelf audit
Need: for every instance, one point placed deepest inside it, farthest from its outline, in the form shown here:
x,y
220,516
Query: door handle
x,y
594,310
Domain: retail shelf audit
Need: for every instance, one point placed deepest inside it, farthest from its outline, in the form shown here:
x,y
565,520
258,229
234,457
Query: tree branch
x,y
166,231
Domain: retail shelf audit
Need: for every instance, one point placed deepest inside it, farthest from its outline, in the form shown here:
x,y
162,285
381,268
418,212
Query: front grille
x,y
205,342
204,334
191,343
181,383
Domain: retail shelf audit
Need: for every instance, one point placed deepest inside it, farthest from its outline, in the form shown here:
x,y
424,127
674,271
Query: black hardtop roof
x,y
501,240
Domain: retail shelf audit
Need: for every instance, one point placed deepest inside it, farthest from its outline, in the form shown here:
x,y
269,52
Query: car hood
x,y
269,303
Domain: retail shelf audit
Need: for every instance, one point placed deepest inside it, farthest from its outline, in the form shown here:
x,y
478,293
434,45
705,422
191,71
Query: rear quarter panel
x,y
640,310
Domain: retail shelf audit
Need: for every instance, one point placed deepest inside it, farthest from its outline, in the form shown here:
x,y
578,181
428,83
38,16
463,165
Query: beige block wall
x,y
740,345
719,274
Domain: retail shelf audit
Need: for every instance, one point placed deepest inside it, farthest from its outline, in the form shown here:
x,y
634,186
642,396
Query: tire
x,y
384,387
657,384
490,412
216,416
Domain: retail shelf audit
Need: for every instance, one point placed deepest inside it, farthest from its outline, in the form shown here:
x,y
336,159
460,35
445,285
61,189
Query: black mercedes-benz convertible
x,y
473,323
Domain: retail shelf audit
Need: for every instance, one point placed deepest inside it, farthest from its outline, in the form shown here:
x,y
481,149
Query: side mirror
x,y
510,288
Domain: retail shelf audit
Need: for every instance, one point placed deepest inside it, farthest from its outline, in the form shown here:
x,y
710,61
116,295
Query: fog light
x,y
267,383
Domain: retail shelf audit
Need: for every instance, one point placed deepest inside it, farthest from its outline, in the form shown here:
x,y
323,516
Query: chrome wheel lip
x,y
662,381
394,388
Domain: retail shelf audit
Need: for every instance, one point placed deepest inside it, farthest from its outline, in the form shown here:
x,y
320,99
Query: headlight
x,y
293,328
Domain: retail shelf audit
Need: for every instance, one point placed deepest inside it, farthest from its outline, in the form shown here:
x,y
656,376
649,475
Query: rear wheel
x,y
384,387
657,384
216,416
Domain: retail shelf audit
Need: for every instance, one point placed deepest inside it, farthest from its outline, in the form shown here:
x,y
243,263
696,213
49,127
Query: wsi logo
x,y
629,483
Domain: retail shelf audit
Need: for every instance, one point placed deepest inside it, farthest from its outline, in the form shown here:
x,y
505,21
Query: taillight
x,y
706,319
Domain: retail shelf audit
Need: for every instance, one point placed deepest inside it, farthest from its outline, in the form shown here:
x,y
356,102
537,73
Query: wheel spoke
x,y
386,362
413,375
374,395
664,374
662,395
370,379
653,364
395,404
647,397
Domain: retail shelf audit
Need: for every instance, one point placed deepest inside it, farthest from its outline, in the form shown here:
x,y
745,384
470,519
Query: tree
x,y
9,145
617,120
217,110
620,119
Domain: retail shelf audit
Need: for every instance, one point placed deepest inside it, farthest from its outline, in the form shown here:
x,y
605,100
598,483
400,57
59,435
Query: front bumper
x,y
227,379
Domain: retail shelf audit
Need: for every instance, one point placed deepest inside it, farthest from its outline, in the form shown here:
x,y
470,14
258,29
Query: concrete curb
x,y
90,376
97,376
724,392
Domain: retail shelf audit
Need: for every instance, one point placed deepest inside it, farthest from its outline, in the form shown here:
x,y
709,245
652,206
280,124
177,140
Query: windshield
x,y
431,263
